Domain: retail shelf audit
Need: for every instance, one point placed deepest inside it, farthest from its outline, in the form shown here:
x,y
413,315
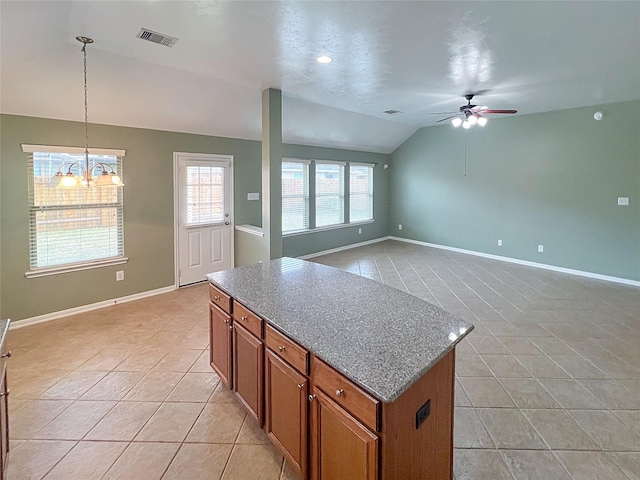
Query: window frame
x,y
35,271
345,196
340,194
369,194
306,167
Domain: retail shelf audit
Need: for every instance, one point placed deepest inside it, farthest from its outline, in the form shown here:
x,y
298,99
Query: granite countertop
x,y
4,329
380,337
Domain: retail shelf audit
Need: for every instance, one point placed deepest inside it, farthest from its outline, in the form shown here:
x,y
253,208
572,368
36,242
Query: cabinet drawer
x,y
286,349
247,319
220,298
346,394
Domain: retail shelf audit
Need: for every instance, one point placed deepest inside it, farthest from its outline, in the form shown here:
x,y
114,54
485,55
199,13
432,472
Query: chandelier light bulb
x,y
482,121
456,122
472,119
466,125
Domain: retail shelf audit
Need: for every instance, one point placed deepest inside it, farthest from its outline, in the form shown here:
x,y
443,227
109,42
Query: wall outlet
x,y
540,248
386,165
399,226
253,196
623,200
119,275
499,243
359,231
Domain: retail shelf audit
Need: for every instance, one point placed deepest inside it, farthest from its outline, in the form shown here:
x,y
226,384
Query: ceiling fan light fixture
x,y
466,125
472,119
482,121
456,122
324,59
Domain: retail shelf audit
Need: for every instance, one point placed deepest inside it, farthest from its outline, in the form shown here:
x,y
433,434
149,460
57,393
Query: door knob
x,y
227,222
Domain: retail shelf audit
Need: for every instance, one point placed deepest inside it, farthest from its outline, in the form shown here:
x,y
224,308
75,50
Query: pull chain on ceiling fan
x,y
469,115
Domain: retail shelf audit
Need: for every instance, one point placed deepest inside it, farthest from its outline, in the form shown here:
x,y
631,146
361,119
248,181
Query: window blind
x,y
329,194
295,196
205,195
72,226
360,193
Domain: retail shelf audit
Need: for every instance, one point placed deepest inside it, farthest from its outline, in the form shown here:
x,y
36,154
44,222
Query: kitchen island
x,y
349,377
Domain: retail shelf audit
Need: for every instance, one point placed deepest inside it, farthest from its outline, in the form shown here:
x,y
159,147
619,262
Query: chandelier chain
x,y
86,105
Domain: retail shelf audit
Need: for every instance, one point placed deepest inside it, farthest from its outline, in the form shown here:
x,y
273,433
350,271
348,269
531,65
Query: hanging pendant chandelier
x,y
108,177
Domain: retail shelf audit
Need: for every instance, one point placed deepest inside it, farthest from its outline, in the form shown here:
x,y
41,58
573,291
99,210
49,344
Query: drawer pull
x,y
226,321
300,385
281,348
339,393
244,317
311,398
216,298
8,354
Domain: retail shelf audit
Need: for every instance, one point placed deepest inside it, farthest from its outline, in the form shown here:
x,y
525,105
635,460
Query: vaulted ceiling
x,y
415,57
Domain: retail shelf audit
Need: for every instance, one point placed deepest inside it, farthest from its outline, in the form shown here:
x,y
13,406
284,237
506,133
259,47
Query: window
x,y
360,193
322,195
329,194
205,195
72,228
295,196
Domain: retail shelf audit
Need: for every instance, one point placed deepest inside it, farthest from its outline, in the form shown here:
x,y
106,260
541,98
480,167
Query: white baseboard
x,y
87,308
544,266
346,247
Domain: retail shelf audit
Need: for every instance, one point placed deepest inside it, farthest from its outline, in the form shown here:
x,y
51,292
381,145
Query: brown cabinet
x,y
286,408
341,446
220,325
327,426
4,414
248,370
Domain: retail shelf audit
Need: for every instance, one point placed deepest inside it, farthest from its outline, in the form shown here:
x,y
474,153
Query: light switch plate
x,y
623,200
253,196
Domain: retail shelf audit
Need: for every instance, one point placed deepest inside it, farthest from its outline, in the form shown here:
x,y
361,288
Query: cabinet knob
x,y
300,385
243,317
311,398
339,393
226,321
282,348
8,354
230,327
216,298
5,393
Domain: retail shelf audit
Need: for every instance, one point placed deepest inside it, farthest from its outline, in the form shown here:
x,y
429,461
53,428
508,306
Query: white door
x,y
204,227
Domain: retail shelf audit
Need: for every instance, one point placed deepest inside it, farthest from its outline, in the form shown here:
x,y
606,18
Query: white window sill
x,y
43,272
324,229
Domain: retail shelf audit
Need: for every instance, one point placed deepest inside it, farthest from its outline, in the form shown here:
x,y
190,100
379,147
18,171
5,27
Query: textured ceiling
x,y
416,57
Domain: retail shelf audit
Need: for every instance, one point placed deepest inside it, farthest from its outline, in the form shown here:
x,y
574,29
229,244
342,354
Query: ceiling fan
x,y
469,115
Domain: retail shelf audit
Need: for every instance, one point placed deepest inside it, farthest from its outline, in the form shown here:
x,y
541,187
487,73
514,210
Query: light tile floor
x,y
548,383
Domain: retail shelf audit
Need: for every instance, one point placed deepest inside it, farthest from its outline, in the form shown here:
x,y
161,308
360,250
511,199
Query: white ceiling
x,y
416,57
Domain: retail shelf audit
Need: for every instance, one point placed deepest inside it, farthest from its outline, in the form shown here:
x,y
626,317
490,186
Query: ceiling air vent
x,y
392,112
155,37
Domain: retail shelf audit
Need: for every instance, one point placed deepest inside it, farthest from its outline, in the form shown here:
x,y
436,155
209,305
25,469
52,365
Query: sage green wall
x,y
148,215
550,179
308,243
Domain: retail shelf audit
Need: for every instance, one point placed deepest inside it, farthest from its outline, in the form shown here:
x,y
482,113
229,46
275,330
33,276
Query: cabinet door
x,y
220,344
341,447
248,370
4,425
286,410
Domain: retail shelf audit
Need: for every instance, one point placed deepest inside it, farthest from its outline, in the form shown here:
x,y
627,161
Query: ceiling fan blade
x,y
447,118
443,113
499,111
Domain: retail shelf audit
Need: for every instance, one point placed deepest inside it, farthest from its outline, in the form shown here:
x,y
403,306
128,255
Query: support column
x,y
272,170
